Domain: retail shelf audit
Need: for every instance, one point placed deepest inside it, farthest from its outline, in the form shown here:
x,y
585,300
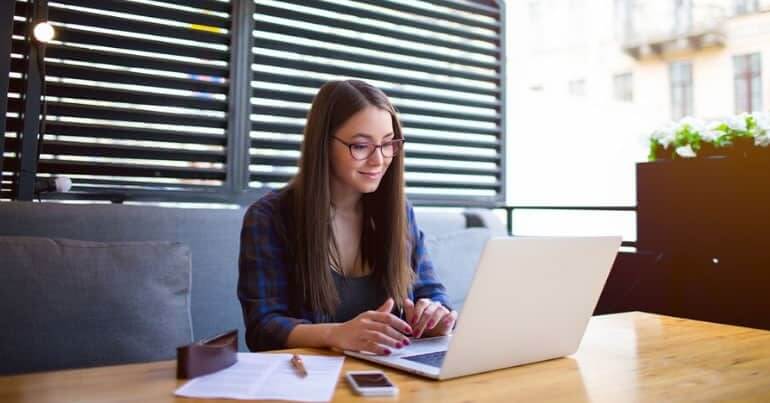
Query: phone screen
x,y
371,380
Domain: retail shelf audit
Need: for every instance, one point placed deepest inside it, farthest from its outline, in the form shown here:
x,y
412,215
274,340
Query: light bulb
x,y
44,32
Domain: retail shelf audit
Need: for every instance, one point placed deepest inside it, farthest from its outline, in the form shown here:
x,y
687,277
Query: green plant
x,y
686,138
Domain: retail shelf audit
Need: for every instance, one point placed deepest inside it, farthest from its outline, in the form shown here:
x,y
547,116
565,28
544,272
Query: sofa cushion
x,y
454,256
212,234
68,303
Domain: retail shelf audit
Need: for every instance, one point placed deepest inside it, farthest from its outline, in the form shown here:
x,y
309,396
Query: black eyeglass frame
x,y
400,143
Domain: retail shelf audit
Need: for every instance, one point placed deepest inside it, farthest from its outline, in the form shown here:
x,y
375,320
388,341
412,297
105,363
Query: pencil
x,y
296,362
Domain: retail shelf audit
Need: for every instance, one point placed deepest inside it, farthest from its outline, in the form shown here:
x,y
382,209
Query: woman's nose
x,y
376,157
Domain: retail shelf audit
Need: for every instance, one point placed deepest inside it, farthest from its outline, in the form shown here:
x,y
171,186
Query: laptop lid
x,y
530,300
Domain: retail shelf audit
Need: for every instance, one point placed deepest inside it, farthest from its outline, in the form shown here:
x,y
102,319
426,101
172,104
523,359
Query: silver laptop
x,y
530,301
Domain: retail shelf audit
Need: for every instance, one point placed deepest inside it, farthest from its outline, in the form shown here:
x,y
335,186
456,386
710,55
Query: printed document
x,y
269,376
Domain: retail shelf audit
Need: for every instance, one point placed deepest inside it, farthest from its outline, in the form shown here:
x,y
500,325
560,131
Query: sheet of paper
x,y
269,376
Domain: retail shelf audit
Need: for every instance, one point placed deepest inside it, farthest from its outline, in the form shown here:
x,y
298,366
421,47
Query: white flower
x,y
665,136
737,123
696,125
710,133
763,122
685,151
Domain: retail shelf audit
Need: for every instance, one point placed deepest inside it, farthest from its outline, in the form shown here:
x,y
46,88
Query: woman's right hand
x,y
372,331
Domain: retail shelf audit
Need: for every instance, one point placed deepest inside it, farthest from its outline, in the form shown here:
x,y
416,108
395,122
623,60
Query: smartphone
x,y
371,383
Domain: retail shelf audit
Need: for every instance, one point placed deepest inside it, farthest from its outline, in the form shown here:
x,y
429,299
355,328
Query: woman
x,y
335,259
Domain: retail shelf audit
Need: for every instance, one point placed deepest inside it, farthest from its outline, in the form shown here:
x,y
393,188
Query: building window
x,y
624,21
748,82
623,89
746,6
681,89
577,87
537,25
682,16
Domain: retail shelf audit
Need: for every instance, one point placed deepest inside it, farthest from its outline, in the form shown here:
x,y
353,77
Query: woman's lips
x,y
371,175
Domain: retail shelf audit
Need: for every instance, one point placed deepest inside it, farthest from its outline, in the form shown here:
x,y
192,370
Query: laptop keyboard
x,y
433,359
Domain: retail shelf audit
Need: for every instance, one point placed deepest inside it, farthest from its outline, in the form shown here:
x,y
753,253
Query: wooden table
x,y
623,357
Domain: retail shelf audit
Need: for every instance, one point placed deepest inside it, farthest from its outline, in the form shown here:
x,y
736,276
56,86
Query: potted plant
x,y
762,134
737,136
660,141
740,135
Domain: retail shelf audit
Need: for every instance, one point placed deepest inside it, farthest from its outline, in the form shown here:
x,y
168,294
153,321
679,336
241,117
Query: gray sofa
x,y
87,285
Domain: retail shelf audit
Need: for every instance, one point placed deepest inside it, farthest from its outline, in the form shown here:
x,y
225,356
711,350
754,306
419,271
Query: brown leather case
x,y
207,356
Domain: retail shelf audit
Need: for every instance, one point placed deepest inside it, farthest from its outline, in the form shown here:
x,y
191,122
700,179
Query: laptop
x,y
530,301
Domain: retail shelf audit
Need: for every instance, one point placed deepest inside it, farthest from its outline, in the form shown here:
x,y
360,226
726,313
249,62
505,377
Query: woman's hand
x,y
429,318
372,331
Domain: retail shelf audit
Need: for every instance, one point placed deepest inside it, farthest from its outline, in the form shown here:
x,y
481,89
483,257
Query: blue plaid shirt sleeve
x,y
427,284
263,279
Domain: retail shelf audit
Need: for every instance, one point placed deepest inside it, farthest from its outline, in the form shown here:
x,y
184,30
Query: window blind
x,y
441,62
136,96
144,96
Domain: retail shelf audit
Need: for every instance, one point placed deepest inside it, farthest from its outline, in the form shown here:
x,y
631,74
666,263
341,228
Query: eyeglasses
x,y
362,151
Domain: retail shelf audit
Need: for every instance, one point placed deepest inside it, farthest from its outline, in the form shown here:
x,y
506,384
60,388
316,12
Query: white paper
x,y
269,376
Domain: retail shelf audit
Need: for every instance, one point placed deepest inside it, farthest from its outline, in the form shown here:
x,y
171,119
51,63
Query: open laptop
x,y
530,301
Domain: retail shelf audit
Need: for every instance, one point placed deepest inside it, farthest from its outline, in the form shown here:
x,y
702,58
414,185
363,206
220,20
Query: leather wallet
x,y
207,356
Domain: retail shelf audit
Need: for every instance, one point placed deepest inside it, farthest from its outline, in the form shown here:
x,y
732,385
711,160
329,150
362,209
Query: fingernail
x,y
387,352
408,331
430,324
399,345
406,342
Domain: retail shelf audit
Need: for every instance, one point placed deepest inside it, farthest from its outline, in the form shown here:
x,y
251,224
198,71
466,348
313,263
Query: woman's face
x,y
370,125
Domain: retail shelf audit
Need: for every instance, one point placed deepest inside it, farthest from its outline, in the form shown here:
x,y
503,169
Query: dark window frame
x,y
681,89
745,76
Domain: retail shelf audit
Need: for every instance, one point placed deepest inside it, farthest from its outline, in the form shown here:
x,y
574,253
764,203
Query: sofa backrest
x,y
213,237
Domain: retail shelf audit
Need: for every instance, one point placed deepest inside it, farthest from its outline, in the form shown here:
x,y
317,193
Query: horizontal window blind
x,y
439,61
140,103
136,96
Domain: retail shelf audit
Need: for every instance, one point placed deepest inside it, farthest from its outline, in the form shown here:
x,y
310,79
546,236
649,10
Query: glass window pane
x,y
756,63
574,223
756,94
741,96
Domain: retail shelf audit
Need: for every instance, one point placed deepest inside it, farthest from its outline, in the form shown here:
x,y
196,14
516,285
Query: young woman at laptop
x,y
335,259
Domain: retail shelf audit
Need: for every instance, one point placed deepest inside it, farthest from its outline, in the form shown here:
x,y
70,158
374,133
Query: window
x,y
747,82
624,21
680,74
536,24
746,6
577,88
623,89
159,101
440,64
682,16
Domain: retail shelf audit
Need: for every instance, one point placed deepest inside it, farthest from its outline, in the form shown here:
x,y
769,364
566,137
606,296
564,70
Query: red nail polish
x,y
399,345
387,352
406,342
430,324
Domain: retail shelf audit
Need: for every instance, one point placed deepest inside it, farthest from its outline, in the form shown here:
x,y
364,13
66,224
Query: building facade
x,y
665,58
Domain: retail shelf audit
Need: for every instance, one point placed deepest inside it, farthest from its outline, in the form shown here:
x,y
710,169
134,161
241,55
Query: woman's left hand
x,y
428,318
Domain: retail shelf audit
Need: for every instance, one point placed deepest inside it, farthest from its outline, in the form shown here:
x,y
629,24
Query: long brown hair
x,y
384,243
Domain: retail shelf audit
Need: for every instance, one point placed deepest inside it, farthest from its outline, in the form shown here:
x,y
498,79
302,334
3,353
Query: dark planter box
x,y
707,221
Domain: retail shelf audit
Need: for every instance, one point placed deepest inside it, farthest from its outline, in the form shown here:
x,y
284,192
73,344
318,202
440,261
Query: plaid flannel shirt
x,y
264,281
